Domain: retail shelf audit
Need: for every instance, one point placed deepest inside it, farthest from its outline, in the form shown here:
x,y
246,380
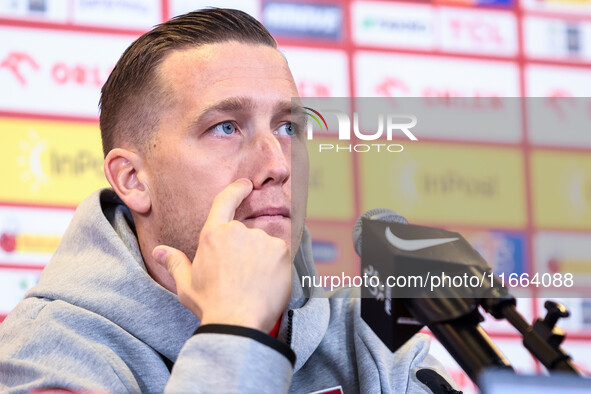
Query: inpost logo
x,y
388,124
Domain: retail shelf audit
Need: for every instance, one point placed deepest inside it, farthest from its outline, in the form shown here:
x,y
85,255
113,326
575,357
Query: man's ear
x,y
125,171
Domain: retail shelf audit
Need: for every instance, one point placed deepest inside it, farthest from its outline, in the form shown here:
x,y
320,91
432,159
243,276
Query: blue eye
x,y
226,128
286,129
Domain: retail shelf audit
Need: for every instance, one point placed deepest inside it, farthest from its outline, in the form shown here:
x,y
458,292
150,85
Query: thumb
x,y
177,264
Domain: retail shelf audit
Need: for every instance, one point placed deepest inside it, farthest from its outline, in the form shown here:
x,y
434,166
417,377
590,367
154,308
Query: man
x,y
199,146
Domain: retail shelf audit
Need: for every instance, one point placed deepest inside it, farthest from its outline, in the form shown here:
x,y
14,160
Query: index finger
x,y
225,203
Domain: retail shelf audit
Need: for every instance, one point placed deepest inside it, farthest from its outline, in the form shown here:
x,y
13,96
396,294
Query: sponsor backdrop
x,y
56,54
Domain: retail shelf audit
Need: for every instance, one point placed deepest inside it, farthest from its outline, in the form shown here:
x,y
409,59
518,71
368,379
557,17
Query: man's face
x,y
230,119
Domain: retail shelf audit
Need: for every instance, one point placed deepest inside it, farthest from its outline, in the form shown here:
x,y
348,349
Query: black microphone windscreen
x,y
383,214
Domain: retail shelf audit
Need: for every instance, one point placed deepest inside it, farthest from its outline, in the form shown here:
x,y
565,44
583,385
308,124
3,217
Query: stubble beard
x,y
176,228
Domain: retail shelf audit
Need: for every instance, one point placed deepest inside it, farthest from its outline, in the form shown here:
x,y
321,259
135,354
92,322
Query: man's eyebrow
x,y
287,107
231,104
242,104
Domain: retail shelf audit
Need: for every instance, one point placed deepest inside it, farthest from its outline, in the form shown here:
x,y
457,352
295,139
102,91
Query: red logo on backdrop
x,y
313,89
13,63
392,87
477,31
78,74
451,92
558,98
8,242
61,73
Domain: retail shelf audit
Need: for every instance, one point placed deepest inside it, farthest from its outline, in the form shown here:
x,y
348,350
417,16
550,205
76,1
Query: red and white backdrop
x,y
56,54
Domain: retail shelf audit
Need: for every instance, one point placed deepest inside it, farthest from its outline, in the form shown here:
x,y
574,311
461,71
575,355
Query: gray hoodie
x,y
97,321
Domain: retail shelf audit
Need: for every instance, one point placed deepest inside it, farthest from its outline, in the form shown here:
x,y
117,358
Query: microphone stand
x,y
455,321
543,339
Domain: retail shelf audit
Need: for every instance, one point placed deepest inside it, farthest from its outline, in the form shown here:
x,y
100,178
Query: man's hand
x,y
239,276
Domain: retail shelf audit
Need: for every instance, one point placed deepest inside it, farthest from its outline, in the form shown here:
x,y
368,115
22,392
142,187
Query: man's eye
x,y
225,128
286,129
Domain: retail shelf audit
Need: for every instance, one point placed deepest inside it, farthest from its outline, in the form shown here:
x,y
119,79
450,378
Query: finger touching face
x,y
230,119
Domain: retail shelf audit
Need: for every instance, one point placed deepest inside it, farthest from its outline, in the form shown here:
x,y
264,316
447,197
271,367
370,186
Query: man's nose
x,y
269,161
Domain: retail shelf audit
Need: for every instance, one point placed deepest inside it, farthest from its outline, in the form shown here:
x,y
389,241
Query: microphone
x,y
436,249
396,309
383,214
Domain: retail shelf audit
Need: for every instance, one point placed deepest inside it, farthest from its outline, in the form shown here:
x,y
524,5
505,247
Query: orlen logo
x,y
392,87
483,99
20,64
387,124
13,63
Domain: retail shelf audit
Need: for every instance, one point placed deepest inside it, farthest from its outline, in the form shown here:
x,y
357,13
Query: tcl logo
x,y
476,31
20,65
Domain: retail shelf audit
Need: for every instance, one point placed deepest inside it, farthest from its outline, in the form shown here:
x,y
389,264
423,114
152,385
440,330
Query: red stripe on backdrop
x,y
310,44
526,162
20,204
433,53
331,222
165,10
560,149
69,27
46,116
559,15
460,142
23,266
559,63
451,4
516,335
350,49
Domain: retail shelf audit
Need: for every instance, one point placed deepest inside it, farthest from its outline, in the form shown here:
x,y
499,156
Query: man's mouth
x,y
277,212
